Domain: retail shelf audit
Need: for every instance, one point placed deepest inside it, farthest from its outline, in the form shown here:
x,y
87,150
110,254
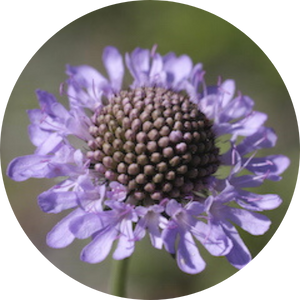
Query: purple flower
x,y
184,223
116,224
150,218
117,191
149,160
221,216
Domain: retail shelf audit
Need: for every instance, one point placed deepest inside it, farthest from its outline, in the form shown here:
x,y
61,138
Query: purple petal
x,y
44,166
250,124
173,207
79,97
257,202
50,106
99,248
37,135
122,210
79,124
154,221
157,75
239,255
232,158
52,118
177,68
138,63
61,236
213,238
113,63
118,191
86,76
227,194
214,99
79,157
140,229
24,167
86,225
45,122
169,235
197,76
244,127
156,66
187,255
245,181
86,183
49,123
46,101
254,223
92,201
209,106
227,90
237,108
151,219
125,245
263,138
157,209
55,202
35,116
86,86
272,166
195,208
155,235
50,144
141,211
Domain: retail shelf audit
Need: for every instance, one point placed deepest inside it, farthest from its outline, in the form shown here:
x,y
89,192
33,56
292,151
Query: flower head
x,y
150,160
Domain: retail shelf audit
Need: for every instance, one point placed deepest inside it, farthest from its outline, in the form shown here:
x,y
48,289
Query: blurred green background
x,y
223,50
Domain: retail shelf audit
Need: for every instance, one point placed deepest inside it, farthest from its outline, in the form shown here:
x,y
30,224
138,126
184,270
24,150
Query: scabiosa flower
x,y
153,160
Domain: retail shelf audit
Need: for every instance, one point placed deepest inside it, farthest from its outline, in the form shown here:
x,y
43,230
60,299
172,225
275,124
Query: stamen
x,y
252,199
62,92
153,50
262,164
260,141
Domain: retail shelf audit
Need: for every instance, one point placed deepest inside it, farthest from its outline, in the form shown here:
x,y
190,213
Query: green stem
x,y
118,278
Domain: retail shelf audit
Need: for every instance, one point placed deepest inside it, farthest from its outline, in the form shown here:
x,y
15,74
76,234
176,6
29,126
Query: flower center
x,y
155,142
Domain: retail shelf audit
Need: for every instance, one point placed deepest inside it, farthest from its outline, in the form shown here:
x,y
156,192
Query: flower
x,y
153,160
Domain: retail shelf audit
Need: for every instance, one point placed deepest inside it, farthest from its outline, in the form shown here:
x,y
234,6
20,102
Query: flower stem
x,y
118,278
